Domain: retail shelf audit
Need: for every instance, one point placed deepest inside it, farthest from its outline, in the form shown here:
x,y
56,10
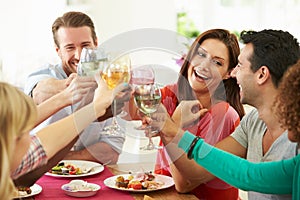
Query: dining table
x,y
51,186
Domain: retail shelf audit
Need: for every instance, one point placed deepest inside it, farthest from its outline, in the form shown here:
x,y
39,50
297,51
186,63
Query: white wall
x,y
114,16
26,38
238,15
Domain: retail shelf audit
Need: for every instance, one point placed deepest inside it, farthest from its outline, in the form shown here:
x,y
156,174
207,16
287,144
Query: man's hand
x,y
79,88
73,87
46,89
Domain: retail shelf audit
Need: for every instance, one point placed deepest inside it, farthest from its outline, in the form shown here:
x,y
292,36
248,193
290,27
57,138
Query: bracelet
x,y
190,151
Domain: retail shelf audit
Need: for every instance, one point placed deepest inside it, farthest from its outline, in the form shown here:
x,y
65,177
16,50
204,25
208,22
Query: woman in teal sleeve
x,y
277,177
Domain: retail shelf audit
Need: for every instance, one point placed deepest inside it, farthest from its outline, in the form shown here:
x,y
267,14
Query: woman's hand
x,y
120,99
104,96
161,121
188,113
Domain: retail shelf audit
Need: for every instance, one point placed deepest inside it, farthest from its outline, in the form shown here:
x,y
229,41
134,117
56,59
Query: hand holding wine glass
x,y
116,71
147,98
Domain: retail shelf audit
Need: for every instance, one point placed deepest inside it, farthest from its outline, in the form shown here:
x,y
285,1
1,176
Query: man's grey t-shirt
x,y
250,134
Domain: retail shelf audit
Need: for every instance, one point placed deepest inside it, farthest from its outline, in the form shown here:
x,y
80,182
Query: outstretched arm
x,y
73,93
68,128
186,178
268,177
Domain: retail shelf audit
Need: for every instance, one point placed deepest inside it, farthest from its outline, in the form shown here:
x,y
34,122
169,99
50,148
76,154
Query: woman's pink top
x,y
218,123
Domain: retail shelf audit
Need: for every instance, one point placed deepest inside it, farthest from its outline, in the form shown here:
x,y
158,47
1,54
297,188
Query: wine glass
x,y
115,72
147,98
92,60
142,75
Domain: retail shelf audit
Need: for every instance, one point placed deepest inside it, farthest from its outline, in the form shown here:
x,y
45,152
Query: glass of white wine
x,y
91,61
115,72
142,75
147,98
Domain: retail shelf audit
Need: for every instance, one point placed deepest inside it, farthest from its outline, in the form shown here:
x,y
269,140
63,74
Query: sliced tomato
x,y
73,172
71,167
135,186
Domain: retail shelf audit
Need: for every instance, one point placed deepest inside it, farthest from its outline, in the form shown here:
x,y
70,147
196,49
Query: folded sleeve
x,y
34,78
35,157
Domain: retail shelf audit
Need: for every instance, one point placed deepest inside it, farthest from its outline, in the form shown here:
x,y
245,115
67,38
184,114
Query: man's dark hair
x,y
276,49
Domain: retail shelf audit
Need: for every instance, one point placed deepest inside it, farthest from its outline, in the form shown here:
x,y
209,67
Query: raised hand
x,y
79,88
188,113
104,96
121,98
161,121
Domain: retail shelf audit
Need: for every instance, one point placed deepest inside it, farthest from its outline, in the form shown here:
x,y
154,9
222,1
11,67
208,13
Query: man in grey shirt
x,y
266,56
250,134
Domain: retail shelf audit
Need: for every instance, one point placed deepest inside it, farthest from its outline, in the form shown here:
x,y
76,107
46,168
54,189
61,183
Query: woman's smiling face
x,y
209,66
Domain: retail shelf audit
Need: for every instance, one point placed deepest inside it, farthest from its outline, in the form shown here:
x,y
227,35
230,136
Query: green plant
x,y
186,26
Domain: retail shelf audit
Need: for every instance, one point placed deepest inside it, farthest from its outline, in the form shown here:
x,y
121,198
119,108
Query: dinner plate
x,y
82,164
167,180
35,189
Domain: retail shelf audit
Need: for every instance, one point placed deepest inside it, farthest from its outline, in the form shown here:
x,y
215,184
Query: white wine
x,y
90,68
147,103
114,78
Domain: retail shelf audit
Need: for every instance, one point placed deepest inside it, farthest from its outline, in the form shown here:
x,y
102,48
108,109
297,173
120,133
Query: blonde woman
x,y
18,115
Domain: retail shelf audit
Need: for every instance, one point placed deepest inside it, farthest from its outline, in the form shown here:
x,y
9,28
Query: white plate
x,y
35,189
167,180
82,164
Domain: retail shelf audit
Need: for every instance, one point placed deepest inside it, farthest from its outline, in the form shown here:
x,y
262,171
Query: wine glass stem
x,y
150,143
114,119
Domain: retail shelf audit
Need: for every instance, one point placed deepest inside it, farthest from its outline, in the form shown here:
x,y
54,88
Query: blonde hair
x,y
18,114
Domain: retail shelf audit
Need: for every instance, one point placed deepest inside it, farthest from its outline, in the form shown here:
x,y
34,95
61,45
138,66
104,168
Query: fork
x,y
88,170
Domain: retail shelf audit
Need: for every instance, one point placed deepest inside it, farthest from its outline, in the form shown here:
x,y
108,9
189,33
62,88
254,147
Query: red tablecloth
x,y
52,188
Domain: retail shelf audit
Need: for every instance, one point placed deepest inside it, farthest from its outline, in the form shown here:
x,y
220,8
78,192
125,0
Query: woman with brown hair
x,y
205,77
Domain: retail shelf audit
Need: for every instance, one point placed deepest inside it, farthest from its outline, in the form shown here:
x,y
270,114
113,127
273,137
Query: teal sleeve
x,y
267,177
